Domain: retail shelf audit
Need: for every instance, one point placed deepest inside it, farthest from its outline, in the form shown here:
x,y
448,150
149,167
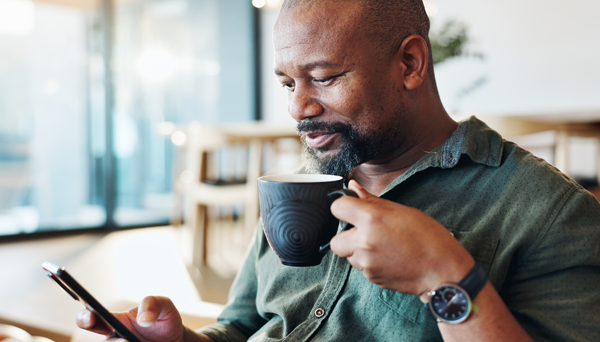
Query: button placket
x,y
339,272
336,280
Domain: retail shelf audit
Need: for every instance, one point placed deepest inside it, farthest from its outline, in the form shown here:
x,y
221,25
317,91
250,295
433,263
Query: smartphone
x,y
72,287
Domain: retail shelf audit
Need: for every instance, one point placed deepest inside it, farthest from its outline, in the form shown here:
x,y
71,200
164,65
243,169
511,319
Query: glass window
x,y
172,61
175,61
46,169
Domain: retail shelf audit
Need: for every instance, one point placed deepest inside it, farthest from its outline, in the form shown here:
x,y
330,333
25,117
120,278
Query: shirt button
x,y
320,313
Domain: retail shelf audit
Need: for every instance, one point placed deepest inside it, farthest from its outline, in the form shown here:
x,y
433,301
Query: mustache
x,y
335,127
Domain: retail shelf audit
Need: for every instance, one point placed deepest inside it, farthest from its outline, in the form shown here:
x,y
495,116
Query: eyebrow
x,y
311,66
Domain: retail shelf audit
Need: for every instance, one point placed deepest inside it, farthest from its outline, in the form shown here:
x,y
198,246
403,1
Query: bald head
x,y
386,22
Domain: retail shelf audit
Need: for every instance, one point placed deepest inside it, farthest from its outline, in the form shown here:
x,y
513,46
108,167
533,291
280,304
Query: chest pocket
x,y
482,248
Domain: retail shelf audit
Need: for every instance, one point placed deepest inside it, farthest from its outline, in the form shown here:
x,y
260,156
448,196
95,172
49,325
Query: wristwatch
x,y
452,303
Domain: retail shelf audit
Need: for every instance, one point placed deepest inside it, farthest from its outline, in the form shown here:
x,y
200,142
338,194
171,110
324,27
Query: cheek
x,y
360,101
346,101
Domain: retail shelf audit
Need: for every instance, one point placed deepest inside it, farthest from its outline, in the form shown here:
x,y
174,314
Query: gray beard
x,y
356,149
341,164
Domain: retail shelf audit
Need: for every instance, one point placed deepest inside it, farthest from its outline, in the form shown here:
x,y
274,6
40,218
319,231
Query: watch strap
x,y
474,281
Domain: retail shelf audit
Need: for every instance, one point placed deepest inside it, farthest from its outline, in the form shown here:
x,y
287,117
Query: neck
x,y
374,176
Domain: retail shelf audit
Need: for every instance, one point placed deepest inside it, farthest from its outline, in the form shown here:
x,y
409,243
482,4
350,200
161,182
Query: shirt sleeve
x,y
240,318
555,293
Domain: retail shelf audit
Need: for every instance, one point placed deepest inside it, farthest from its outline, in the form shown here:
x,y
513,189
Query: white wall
x,y
540,56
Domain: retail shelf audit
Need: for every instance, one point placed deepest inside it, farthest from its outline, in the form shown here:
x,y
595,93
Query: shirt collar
x,y
472,138
482,144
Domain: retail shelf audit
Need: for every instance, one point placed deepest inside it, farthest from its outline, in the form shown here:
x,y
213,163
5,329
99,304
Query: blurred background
x,y
117,114
85,84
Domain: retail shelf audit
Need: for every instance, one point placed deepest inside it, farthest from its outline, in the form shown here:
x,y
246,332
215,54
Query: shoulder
x,y
527,169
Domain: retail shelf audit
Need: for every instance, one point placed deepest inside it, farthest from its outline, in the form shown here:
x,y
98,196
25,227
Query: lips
x,y
319,139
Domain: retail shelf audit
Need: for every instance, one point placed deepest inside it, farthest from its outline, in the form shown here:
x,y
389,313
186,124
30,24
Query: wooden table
x,y
120,267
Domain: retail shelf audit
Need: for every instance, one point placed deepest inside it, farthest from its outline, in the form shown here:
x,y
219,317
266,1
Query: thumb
x,y
153,308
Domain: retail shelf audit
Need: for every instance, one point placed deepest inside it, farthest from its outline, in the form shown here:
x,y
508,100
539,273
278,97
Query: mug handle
x,y
332,197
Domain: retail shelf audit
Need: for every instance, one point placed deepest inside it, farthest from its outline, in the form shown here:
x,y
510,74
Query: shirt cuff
x,y
223,333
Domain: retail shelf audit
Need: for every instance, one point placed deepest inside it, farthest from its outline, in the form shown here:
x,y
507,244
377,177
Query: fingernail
x,y
86,317
145,319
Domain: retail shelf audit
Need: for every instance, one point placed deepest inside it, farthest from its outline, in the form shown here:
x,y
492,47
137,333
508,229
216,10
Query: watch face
x,y
450,303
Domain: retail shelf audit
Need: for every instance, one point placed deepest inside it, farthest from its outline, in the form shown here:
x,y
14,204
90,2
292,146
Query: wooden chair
x,y
202,191
565,125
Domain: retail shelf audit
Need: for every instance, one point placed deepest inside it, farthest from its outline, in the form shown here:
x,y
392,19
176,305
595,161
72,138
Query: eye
x,y
289,86
325,81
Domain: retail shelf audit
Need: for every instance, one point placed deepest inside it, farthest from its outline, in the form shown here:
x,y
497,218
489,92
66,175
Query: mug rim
x,y
300,178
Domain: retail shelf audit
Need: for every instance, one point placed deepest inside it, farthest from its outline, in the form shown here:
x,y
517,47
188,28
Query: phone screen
x,y
75,290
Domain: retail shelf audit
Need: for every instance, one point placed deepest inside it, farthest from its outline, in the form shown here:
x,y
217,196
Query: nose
x,y
302,103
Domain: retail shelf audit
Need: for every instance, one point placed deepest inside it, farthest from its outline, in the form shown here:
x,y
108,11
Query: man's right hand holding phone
x,y
155,319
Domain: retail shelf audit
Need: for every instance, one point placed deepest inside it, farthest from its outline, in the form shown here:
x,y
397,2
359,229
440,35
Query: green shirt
x,y
535,231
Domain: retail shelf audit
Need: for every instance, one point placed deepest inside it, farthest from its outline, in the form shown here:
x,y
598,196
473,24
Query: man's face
x,y
341,91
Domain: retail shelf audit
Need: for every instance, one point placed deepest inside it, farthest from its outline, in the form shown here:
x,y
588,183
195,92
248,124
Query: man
x,y
456,204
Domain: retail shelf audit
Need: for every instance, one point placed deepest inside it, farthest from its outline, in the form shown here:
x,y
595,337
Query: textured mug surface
x,y
296,215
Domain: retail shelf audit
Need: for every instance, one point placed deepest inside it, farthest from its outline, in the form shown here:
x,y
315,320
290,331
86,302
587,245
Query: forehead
x,y
318,33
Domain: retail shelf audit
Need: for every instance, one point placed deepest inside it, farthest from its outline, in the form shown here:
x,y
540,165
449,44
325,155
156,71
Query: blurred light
x,y
17,17
51,87
258,3
431,9
178,138
28,218
210,68
186,176
126,135
166,8
273,1
165,129
157,65
3,67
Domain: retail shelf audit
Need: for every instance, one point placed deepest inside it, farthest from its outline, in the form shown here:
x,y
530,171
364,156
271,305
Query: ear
x,y
413,56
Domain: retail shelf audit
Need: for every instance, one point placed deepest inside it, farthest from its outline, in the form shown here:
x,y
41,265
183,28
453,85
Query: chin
x,y
325,154
324,158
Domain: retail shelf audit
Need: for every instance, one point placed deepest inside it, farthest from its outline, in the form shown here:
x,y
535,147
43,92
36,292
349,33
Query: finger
x,y
349,209
148,311
87,320
344,243
152,309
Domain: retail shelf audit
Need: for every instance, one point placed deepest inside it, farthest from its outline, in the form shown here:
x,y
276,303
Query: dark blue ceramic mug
x,y
296,215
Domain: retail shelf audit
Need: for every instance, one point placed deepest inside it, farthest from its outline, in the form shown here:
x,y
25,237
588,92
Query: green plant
x,y
450,41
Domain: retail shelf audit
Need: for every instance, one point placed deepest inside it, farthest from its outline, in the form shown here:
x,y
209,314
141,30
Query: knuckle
x,y
369,275
371,218
368,264
366,241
